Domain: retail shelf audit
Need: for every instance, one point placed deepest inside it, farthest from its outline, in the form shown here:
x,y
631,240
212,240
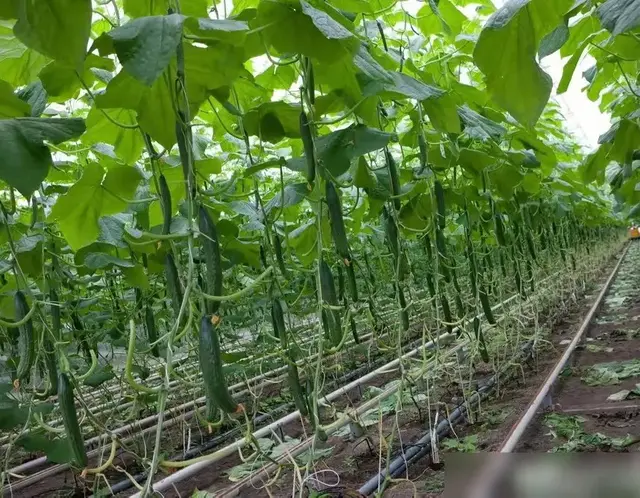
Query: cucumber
x,y
210,357
26,338
404,314
277,248
152,333
477,329
336,221
423,153
393,176
307,143
70,420
354,329
438,192
446,311
174,288
165,202
499,229
441,247
311,90
353,284
340,283
486,307
329,296
211,251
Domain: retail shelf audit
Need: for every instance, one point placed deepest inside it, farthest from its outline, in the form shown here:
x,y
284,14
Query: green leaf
x,y
403,85
593,167
570,67
272,121
34,95
26,159
329,27
552,42
10,105
128,143
56,450
619,16
506,178
293,194
100,260
79,210
479,127
417,213
287,29
225,30
443,114
337,149
146,45
440,17
136,276
506,50
363,177
56,28
475,161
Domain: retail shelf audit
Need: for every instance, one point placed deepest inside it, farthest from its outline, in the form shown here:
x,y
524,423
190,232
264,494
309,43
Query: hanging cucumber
x,y
165,202
404,313
340,283
337,222
49,347
26,339
354,329
446,311
441,247
174,287
486,307
70,420
372,277
477,329
152,333
438,192
263,257
499,228
393,176
311,90
307,143
457,297
210,358
329,296
277,249
351,279
422,151
211,249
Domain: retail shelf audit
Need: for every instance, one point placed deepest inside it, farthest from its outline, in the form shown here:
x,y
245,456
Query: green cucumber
x,y
277,249
329,296
174,287
337,222
165,203
353,284
26,338
477,329
210,357
438,192
307,143
486,307
404,313
70,421
393,176
211,249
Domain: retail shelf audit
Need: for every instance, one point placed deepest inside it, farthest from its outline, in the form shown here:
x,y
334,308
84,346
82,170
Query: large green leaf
x,y
619,16
443,114
440,16
127,142
291,28
146,45
337,149
272,121
506,54
570,66
93,196
225,30
479,127
56,28
26,159
10,105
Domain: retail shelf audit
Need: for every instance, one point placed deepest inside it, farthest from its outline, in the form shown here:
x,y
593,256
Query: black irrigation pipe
x,y
415,451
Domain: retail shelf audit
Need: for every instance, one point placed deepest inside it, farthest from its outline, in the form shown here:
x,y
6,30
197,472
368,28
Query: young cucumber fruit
x,y
215,385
